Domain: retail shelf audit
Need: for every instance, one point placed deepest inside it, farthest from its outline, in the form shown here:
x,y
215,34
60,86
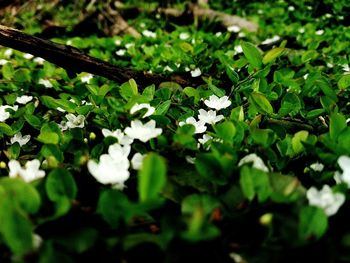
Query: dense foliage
x,y
250,165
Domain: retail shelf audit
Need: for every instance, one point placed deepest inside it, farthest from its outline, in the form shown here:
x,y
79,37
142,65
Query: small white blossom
x,y
190,160
129,45
346,67
306,76
241,34
75,121
205,139
39,60
37,241
184,35
148,33
110,170
258,163
4,114
29,173
271,40
234,28
3,62
69,42
301,30
28,56
319,32
8,52
118,134
45,82
120,52
218,34
60,109
217,103
136,161
325,198
167,68
143,132
209,116
117,42
344,164
22,140
238,49
187,69
86,78
317,167
198,125
291,8
137,107
196,73
24,99
143,25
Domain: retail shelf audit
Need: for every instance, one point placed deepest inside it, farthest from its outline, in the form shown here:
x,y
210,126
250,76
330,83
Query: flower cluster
x,y
29,173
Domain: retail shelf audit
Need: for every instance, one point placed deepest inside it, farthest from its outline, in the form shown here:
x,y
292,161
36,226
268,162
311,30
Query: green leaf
x,y
246,183
290,105
225,131
309,55
48,138
113,207
261,102
344,82
265,137
336,125
33,121
325,86
297,140
163,108
152,177
208,166
60,183
22,75
252,54
313,223
5,129
49,150
8,71
128,89
272,54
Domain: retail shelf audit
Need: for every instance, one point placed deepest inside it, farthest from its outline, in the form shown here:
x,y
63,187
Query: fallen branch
x,y
74,60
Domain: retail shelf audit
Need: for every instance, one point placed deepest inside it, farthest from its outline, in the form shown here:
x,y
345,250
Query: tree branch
x,y
74,60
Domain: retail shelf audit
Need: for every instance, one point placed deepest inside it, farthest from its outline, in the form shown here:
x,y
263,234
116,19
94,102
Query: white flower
x,y
4,115
109,170
344,164
167,68
3,62
137,107
319,32
24,99
29,173
301,30
45,82
121,52
75,121
258,163
136,161
205,138
148,33
86,78
22,140
69,42
234,28
306,76
118,134
241,34
129,45
37,241
8,52
117,42
325,198
60,109
143,132
346,67
198,125
271,40
39,60
217,103
143,25
28,56
317,167
196,73
184,35
291,8
209,116
238,49
190,160
217,34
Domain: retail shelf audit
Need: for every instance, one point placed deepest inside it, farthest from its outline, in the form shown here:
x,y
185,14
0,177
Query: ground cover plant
x,y
241,153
